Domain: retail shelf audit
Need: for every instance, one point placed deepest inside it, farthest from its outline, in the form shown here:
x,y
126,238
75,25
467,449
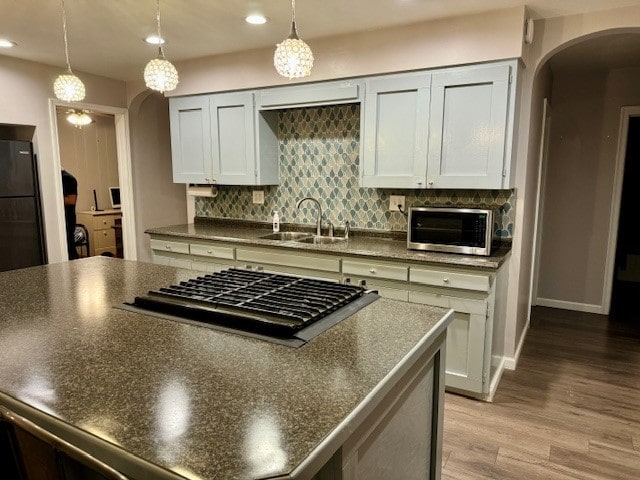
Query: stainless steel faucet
x,y
319,219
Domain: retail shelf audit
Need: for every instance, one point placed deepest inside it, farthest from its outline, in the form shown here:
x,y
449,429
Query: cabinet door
x,y
190,139
468,127
466,338
233,138
396,130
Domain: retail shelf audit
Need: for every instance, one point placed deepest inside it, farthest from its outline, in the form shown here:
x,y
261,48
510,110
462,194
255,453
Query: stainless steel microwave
x,y
452,230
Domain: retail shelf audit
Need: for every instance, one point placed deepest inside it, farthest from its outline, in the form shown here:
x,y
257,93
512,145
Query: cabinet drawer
x,y
103,222
377,270
104,239
169,246
441,278
325,263
215,251
459,304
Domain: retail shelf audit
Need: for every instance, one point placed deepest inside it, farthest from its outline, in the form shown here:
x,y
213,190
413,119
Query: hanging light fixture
x,y
293,57
67,86
160,74
79,118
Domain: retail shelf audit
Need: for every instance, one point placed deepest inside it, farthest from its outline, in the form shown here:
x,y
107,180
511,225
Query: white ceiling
x,y
106,35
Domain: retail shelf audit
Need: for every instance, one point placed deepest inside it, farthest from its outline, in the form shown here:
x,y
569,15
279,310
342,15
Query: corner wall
x,y
158,201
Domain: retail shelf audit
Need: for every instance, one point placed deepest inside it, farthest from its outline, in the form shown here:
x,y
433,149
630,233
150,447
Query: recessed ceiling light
x,y
256,19
4,43
154,40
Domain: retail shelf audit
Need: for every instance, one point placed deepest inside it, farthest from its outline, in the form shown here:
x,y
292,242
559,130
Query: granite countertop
x,y
197,402
360,244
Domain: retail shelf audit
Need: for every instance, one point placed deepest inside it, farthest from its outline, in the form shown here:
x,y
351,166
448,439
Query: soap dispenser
x,y
276,221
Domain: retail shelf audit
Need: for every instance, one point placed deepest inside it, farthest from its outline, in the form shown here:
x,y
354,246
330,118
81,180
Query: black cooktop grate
x,y
266,303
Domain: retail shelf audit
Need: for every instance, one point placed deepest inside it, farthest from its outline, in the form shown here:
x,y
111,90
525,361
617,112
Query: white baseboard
x,y
493,386
578,307
510,363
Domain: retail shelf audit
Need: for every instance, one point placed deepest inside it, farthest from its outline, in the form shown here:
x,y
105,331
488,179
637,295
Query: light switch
x,y
394,201
258,197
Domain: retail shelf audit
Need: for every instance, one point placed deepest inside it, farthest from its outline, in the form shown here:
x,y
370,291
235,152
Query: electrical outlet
x,y
394,201
258,197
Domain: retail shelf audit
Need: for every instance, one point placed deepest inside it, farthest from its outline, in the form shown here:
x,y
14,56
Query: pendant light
x,y
160,74
293,57
67,86
79,118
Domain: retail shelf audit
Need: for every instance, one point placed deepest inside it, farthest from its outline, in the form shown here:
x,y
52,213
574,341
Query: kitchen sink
x,y
321,240
286,236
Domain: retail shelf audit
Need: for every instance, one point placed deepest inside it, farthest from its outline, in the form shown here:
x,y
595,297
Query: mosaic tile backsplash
x,y
319,157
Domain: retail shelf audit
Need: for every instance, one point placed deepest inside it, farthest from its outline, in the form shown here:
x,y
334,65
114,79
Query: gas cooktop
x,y
285,309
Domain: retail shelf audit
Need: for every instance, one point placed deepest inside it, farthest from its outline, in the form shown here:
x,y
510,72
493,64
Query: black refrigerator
x,y
21,232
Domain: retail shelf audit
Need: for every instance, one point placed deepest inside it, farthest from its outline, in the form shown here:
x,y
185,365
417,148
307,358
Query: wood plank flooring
x,y
571,410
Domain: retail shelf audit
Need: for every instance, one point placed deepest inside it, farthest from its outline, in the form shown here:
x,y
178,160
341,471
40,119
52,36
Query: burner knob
x,y
363,283
347,281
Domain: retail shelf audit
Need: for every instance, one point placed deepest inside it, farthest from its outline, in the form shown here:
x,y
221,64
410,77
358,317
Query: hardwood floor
x,y
571,410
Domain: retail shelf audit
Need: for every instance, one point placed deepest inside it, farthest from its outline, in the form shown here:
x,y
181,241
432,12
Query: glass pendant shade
x,y
69,88
161,75
79,118
293,58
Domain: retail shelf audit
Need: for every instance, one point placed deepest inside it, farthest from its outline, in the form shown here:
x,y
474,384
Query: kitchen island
x,y
161,399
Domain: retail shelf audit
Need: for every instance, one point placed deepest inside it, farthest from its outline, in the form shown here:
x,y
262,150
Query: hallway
x,y
571,410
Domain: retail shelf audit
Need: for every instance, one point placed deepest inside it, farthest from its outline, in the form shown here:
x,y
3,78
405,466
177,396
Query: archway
x,y
593,77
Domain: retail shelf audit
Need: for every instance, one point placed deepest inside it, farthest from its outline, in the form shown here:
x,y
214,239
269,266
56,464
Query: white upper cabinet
x,y
396,131
233,139
222,139
468,127
190,139
449,128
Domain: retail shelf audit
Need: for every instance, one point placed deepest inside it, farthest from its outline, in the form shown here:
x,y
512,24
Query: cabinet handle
x,y
419,182
168,247
209,252
372,270
445,280
431,183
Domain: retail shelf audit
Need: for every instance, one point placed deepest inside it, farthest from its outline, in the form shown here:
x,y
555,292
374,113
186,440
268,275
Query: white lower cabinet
x,y
469,292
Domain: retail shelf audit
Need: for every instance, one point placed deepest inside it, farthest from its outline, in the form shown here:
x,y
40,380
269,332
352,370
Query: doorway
x,y
626,271
88,154
121,120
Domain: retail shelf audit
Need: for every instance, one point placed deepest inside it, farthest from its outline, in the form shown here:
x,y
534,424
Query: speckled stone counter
x,y
196,402
360,244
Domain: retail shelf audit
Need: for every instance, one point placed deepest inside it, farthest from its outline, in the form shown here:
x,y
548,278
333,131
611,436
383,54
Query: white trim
x,y
578,307
123,148
495,381
510,363
540,196
616,199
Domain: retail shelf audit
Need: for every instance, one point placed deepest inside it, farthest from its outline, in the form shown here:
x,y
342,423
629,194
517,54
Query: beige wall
x,y
25,90
551,35
89,154
451,41
158,201
579,184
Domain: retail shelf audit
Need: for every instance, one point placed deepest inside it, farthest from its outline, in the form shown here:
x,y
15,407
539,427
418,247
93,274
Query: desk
x,y
102,237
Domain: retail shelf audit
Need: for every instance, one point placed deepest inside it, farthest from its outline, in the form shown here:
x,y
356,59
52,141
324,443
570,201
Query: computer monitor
x,y
114,194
